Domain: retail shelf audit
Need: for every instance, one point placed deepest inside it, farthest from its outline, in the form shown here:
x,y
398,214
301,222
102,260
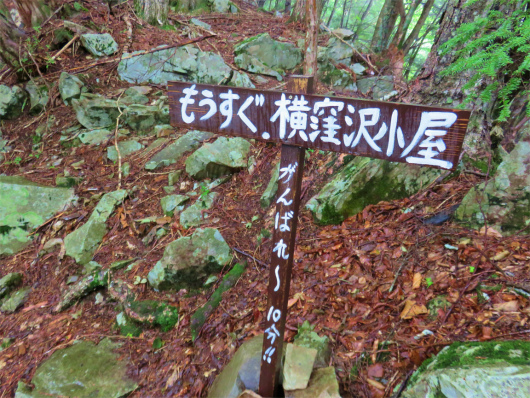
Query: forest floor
x,y
365,283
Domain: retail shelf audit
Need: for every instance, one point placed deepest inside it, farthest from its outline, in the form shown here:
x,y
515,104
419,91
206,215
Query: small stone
x,y
126,169
298,365
358,68
174,152
12,100
15,300
197,22
169,189
9,282
323,383
270,192
84,287
70,87
195,215
126,148
38,97
173,203
99,45
100,299
173,177
306,337
67,181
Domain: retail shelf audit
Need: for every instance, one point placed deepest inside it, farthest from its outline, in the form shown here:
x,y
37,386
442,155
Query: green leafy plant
x,y
471,269
204,191
428,282
495,49
78,7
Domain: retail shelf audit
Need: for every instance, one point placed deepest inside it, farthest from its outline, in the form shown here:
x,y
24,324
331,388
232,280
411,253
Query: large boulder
x,y
224,156
174,152
9,282
83,242
144,118
474,370
366,181
95,111
188,261
12,100
83,370
186,63
504,201
241,373
24,205
269,53
99,45
70,87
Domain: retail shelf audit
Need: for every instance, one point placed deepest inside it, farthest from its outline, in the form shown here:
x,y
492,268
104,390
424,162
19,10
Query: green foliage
x,y
495,48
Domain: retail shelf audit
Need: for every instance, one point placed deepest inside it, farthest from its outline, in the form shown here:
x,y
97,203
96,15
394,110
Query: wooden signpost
x,y
420,135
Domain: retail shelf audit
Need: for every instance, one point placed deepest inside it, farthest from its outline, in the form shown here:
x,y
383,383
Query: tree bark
x,y
311,40
299,11
332,12
152,11
343,12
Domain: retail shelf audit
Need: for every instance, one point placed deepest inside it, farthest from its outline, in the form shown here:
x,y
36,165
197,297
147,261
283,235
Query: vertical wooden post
x,y
284,236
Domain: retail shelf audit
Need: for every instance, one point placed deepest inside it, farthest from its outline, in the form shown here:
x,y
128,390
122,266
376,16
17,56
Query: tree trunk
x,y
152,11
432,89
365,13
10,39
332,12
299,11
384,26
33,12
416,31
343,13
288,7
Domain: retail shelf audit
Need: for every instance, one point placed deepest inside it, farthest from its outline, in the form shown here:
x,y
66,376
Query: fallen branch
x,y
116,140
353,48
250,256
62,50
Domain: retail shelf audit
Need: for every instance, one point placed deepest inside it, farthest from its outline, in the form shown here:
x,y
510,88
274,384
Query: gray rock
x,y
270,192
381,86
174,152
99,45
220,6
12,101
38,97
70,87
306,337
297,366
25,205
9,282
173,177
188,261
323,383
94,280
186,63
197,22
224,156
82,370
144,118
343,33
15,300
172,204
273,54
126,148
196,215
67,181
339,51
241,373
95,112
83,242
95,137
366,181
358,68
254,65
211,69
135,95
504,201
474,370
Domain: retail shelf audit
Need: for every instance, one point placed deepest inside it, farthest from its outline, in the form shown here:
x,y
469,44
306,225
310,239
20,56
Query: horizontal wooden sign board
x,y
422,135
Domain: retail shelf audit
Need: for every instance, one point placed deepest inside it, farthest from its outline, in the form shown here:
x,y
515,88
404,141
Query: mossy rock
x,y
502,369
